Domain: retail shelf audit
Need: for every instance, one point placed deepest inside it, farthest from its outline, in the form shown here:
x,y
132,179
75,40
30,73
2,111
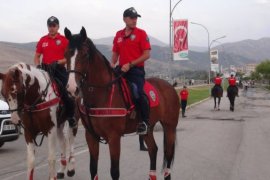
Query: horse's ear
x,y
83,33
67,33
2,76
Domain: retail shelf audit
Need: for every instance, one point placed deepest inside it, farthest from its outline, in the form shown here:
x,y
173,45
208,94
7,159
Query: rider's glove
x,y
39,66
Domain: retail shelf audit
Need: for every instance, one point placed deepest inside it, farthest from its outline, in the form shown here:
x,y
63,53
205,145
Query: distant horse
x,y
217,92
104,113
232,91
33,100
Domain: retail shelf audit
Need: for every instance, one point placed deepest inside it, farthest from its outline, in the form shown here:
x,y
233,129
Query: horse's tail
x,y
169,144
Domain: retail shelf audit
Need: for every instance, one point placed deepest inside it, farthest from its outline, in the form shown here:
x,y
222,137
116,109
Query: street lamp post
x,y
209,47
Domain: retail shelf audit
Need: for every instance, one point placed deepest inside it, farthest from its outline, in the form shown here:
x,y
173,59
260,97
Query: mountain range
x,y
236,53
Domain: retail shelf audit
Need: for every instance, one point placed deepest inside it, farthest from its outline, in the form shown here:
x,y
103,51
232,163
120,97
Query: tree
x,y
264,69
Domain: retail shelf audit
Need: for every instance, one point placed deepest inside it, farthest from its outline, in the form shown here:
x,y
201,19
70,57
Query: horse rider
x,y
131,47
232,83
184,97
52,48
217,82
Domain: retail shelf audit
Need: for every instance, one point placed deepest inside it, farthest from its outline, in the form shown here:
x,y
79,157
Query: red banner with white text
x,y
180,43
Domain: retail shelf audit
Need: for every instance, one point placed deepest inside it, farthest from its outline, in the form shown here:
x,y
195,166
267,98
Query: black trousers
x,y
183,106
136,75
60,76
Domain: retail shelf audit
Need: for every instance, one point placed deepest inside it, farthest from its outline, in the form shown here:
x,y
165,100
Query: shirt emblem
x,y
132,37
45,44
58,42
120,39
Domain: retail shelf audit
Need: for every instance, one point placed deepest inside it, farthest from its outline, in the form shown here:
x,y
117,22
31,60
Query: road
x,y
212,145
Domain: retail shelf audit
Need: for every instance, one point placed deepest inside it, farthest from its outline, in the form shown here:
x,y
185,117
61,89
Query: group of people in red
x,y
217,81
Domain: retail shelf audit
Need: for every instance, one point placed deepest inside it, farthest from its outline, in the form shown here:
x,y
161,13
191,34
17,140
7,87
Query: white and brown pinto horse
x,y
33,100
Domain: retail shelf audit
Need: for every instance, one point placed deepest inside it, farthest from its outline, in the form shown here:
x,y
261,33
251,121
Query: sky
x,y
25,20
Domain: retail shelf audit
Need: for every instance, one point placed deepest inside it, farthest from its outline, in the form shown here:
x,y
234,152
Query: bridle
x,y
84,83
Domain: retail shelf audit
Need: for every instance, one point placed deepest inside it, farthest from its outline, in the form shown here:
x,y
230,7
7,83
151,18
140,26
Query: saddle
x,y
129,92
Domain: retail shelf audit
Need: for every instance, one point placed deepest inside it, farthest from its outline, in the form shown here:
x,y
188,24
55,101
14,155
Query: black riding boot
x,y
145,110
142,146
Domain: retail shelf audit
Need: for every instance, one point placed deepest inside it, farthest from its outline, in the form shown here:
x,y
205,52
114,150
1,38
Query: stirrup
x,y
142,128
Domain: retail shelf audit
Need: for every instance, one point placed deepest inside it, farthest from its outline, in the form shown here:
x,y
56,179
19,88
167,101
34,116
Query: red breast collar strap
x,y
44,105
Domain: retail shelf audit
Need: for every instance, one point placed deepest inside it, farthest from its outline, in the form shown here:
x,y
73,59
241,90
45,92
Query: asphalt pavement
x,y
211,145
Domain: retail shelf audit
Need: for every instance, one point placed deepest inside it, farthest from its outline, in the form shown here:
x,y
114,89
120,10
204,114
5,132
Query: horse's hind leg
x,y
62,142
169,149
93,146
114,145
219,99
152,151
215,101
30,160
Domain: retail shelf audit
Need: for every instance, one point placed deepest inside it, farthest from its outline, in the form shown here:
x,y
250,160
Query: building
x,y
250,68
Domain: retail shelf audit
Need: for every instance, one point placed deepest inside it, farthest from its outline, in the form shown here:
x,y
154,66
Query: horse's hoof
x,y
167,177
60,175
71,173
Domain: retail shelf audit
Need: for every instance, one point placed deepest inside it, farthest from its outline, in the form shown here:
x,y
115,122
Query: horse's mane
x,y
93,50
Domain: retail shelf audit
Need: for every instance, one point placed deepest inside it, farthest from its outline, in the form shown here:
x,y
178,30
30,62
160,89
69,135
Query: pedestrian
x,y
131,47
51,48
184,97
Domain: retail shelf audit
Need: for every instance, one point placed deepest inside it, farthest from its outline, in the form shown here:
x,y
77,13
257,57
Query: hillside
x,y
238,54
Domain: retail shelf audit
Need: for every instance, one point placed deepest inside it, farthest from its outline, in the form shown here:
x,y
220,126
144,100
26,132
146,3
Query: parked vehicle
x,y
8,131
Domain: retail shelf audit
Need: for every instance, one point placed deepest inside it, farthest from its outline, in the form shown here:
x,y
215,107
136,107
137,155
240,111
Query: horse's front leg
x,y
51,155
62,142
70,144
114,145
93,146
30,160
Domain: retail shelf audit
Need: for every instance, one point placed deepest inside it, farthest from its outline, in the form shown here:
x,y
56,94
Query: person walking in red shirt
x,y
51,48
131,47
184,97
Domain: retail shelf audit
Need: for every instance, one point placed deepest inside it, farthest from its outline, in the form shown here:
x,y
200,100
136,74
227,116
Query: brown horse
x,y
98,85
217,93
32,100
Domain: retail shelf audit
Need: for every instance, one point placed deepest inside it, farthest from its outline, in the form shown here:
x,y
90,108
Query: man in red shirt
x,y
232,83
52,48
131,47
184,97
217,82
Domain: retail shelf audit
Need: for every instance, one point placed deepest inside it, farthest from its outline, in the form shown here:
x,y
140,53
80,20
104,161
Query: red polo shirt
x,y
184,94
130,47
217,80
52,49
232,81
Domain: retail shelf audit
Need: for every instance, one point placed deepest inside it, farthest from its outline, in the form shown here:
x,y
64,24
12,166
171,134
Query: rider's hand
x,y
125,67
39,66
112,65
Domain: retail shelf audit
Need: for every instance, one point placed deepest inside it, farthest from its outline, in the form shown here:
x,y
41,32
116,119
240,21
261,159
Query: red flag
x,y
180,45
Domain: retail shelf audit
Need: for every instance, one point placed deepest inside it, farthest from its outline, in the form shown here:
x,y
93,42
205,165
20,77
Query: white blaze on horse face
x,y
72,86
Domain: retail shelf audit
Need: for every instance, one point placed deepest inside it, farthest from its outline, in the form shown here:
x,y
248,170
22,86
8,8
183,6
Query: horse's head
x,y
13,90
77,55
21,81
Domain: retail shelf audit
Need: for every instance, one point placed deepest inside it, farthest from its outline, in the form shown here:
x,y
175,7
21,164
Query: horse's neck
x,y
100,71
